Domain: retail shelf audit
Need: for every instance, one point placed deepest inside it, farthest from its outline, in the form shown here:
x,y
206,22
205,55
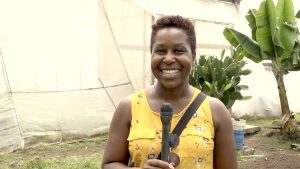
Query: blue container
x,y
239,139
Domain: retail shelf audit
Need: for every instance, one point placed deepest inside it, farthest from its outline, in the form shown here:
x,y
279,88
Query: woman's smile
x,y
170,73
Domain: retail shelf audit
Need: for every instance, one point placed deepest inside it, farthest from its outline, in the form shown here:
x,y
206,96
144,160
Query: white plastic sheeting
x,y
58,82
50,45
208,10
262,88
131,26
110,53
10,132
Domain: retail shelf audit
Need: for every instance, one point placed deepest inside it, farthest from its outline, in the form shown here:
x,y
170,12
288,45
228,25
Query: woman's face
x,y
172,58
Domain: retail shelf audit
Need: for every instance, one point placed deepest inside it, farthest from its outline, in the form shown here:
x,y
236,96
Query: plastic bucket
x,y
239,139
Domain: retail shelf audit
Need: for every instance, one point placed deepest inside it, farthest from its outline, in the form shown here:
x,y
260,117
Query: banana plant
x,y
275,37
220,78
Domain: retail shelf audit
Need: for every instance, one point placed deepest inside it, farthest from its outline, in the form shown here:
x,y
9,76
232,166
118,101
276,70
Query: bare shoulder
x,y
220,113
123,110
125,103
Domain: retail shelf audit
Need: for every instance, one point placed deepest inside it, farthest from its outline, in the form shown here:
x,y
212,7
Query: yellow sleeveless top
x,y
196,144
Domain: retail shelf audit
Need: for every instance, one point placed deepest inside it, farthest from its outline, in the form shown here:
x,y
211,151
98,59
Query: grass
x,y
260,122
267,122
85,154
89,162
297,117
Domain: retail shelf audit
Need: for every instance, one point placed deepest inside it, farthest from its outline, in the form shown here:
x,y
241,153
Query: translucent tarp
x,y
131,27
110,60
10,133
50,45
262,88
56,116
64,74
206,10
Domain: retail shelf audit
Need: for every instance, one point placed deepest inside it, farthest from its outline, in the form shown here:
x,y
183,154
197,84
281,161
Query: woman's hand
x,y
157,164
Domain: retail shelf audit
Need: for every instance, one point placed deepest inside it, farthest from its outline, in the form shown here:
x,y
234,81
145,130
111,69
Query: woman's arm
x,y
224,147
116,153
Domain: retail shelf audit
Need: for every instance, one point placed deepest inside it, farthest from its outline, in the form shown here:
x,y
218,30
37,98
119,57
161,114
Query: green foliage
x,y
275,35
220,78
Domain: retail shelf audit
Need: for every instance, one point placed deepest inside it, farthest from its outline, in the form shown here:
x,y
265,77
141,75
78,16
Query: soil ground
x,y
271,153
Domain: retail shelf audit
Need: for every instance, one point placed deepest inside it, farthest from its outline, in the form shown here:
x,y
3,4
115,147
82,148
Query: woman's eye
x,y
160,51
179,51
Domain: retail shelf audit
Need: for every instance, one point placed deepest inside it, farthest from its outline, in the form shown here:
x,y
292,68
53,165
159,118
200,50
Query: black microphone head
x,y
166,110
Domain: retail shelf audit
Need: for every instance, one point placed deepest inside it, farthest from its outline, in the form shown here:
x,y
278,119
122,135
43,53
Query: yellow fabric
x,y
196,141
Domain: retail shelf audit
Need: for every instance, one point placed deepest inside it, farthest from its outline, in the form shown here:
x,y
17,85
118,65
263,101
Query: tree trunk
x,y
287,123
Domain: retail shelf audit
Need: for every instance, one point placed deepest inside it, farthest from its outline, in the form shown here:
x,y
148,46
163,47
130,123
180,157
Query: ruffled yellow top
x,y
196,141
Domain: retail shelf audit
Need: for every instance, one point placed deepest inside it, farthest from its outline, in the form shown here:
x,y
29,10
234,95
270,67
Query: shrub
x,y
220,78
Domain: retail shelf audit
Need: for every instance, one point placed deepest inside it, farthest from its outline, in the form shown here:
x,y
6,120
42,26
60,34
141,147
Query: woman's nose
x,y
169,58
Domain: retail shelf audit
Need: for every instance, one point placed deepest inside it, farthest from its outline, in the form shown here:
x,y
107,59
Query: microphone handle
x,y
165,142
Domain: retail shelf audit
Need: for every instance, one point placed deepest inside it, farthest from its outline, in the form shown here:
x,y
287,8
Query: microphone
x,y
166,113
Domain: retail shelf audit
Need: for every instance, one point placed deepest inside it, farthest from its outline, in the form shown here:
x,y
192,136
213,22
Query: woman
x,y
134,139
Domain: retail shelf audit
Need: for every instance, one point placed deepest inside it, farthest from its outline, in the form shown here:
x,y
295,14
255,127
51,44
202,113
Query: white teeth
x,y
170,71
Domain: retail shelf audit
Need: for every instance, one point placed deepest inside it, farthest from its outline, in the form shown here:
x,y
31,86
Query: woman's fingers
x,y
171,166
157,164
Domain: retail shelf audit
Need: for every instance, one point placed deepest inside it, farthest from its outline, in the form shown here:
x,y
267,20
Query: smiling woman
x,y
135,135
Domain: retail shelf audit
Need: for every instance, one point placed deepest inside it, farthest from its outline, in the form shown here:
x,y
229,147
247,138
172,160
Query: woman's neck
x,y
169,94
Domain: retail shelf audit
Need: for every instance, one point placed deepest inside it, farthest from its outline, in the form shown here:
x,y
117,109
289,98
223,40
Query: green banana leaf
x,y
287,29
249,46
266,25
274,34
252,22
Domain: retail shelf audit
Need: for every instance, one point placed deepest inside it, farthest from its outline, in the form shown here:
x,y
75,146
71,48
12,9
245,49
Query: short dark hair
x,y
176,22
